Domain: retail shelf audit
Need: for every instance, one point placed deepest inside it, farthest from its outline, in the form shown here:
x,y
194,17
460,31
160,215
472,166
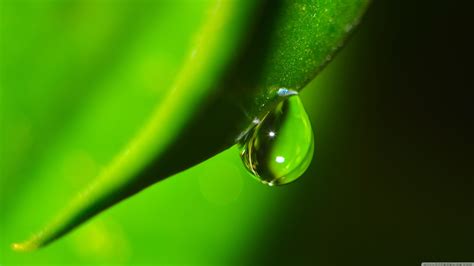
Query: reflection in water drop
x,y
279,148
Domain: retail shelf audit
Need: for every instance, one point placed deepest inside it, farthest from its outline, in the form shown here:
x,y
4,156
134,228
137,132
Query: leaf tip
x,y
24,247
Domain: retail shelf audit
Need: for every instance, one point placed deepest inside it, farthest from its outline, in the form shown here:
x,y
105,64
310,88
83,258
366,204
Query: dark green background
x,y
391,181
393,178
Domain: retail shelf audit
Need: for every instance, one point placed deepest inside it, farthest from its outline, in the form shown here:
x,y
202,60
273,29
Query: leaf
x,y
233,69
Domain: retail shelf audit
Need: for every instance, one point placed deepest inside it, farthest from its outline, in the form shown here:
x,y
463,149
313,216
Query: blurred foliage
x,y
78,80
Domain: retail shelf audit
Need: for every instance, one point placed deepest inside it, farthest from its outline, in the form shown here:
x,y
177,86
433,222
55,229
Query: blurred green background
x,y
391,179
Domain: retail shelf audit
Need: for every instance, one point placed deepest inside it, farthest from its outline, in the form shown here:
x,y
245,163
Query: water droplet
x,y
279,149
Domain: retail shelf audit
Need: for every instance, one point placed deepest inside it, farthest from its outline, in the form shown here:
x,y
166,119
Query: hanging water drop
x,y
279,148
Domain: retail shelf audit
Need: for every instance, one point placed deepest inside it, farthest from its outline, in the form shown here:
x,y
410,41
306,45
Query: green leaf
x,y
243,52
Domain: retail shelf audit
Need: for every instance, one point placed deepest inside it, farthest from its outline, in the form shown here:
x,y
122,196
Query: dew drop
x,y
279,149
